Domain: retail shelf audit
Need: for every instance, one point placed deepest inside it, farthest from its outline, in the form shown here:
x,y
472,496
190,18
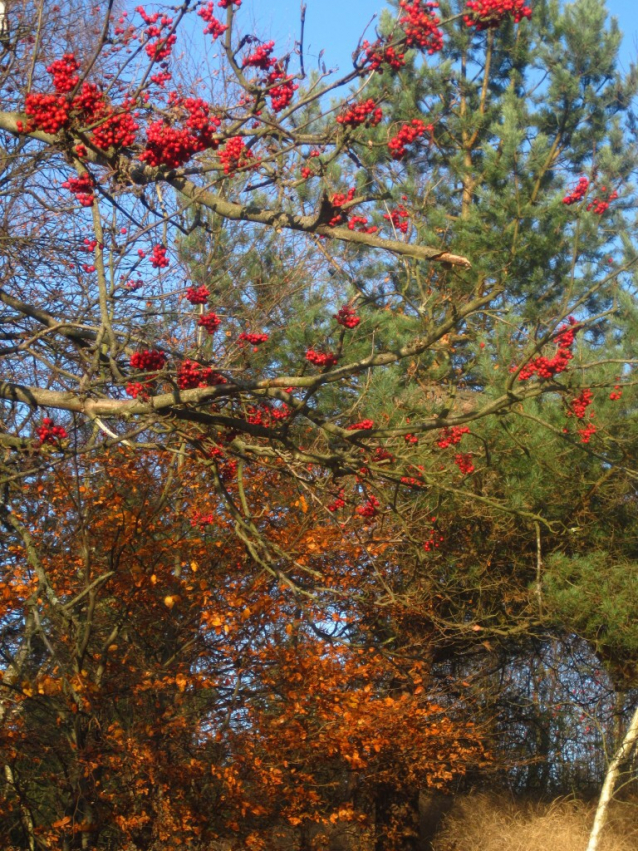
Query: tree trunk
x,y
623,753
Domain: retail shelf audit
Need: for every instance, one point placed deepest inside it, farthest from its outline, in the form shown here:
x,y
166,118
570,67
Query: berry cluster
x,y
199,120
347,317
162,47
578,406
412,439
406,135
52,112
82,188
173,146
280,413
49,113
616,393
64,74
578,193
382,454
137,390
451,436
225,4
360,224
255,416
364,425
281,88
370,507
254,339
158,257
89,101
435,539
414,481
202,520
420,25
398,217
306,171
338,503
235,155
48,432
600,205
228,470
377,55
161,78
166,145
267,417
261,57
327,359
116,130
279,85
463,461
488,14
337,201
209,321
159,49
549,367
197,295
586,433
148,360
366,112
191,374
215,27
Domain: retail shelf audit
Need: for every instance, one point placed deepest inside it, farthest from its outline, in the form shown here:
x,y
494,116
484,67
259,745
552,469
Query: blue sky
x,y
336,25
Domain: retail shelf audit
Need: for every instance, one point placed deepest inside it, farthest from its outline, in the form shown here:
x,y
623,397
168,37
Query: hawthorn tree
x,y
369,316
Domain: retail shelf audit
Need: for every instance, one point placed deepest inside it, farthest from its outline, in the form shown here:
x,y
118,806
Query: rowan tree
x,y
329,317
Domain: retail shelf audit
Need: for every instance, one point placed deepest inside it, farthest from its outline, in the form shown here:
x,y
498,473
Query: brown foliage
x,y
178,693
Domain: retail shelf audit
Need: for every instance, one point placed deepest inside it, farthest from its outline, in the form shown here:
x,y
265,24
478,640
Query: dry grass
x,y
483,822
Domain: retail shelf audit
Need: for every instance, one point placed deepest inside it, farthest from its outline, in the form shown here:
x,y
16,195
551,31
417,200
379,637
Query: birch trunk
x,y
623,753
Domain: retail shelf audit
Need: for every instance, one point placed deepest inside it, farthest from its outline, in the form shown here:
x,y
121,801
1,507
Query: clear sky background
x,y
336,25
